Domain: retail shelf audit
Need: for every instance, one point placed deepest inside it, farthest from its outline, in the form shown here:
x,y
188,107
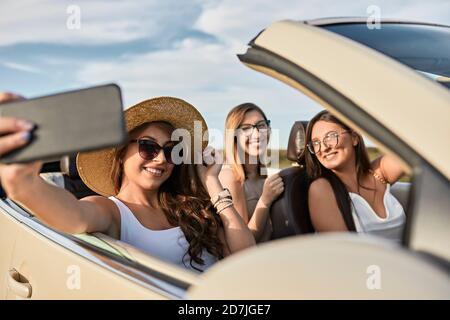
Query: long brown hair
x,y
186,203
233,121
316,170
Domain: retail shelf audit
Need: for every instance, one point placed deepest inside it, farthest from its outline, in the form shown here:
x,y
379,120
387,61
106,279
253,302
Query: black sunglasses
x,y
149,150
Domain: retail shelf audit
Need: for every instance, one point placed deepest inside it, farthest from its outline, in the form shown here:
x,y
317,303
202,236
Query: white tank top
x,y
367,221
169,245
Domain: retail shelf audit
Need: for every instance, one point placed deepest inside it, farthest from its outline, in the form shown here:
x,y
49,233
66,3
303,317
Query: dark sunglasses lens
x,y
148,149
168,154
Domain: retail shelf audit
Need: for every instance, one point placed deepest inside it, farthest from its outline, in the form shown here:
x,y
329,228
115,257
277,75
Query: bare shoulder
x,y
104,207
321,193
324,211
320,187
100,201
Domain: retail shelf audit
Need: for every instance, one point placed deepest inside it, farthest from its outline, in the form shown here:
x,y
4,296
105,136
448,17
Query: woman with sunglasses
x,y
348,192
246,138
177,212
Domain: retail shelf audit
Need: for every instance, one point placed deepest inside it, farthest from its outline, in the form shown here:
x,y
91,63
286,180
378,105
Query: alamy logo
x,y
374,18
373,282
74,19
74,279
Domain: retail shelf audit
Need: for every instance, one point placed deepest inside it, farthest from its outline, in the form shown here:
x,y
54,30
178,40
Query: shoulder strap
x,y
343,200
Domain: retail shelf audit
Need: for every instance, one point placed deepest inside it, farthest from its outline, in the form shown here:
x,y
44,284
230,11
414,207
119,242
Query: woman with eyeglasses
x,y
348,192
246,138
177,212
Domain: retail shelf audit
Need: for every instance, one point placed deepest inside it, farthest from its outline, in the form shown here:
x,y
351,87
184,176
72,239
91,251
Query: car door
x,y
9,228
44,264
384,100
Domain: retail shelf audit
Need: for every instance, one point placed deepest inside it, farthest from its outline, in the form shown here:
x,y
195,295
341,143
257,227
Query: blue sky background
x,y
180,48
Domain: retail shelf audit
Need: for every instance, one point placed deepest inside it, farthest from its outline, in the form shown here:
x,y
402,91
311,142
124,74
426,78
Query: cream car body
x,y
405,113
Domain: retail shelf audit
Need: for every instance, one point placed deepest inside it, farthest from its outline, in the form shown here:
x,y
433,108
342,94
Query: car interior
x,y
289,213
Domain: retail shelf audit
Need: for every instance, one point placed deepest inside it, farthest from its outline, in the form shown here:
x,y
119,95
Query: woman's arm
x,y
389,168
223,239
228,180
259,220
53,205
323,207
237,234
273,187
259,224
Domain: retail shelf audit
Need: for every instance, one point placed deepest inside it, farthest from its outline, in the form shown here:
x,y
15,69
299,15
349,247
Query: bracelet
x,y
225,193
379,177
224,200
223,204
227,206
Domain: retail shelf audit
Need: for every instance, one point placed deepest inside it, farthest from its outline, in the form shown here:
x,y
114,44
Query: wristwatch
x,y
225,193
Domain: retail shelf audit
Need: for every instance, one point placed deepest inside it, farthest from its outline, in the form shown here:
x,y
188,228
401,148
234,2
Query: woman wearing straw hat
x,y
180,213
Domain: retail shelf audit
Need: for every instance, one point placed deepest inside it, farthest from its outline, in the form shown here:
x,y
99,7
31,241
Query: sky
x,y
185,49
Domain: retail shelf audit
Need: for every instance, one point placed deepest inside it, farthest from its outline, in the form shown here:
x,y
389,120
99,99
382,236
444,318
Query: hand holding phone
x,y
65,123
15,133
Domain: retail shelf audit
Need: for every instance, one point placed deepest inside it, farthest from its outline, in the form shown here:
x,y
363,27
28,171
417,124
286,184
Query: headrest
x,y
296,144
68,166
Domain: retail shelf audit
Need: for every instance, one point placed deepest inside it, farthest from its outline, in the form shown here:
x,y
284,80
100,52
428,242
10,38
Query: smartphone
x,y
69,122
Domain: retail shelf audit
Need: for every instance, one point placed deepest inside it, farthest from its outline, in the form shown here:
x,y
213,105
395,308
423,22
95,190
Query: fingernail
x,y
25,124
25,136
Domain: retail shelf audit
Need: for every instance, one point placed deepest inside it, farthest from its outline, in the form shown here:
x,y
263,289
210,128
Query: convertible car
x,y
392,84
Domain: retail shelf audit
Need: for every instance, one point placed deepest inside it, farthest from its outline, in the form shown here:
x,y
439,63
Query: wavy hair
x,y
186,203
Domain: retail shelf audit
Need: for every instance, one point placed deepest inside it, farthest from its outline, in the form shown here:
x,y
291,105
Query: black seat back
x,y
72,180
290,213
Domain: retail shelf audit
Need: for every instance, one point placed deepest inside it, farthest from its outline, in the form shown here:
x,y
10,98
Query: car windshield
x,y
421,47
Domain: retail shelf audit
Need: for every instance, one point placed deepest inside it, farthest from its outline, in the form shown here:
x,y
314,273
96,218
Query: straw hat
x,y
95,167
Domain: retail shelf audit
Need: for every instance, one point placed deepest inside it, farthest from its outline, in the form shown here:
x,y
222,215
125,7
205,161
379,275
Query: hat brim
x,y
95,167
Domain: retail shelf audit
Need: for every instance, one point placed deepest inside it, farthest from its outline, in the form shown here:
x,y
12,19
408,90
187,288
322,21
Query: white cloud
x,y
237,19
21,67
210,76
205,73
102,21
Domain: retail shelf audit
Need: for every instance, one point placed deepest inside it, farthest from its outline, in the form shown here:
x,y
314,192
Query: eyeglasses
x,y
149,150
331,140
262,126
